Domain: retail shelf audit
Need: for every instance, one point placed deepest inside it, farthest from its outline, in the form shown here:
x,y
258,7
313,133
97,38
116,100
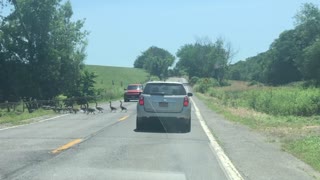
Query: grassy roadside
x,y
299,135
13,119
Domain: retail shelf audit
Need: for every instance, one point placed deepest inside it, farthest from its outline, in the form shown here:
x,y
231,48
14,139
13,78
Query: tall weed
x,y
204,84
285,101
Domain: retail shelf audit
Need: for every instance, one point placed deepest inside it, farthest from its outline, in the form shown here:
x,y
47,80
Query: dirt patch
x,y
290,133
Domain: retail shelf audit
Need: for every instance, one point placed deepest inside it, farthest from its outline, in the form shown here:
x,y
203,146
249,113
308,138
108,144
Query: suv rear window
x,y
134,87
164,89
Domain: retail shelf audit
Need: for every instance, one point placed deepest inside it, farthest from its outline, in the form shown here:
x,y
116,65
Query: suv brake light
x,y
141,100
186,101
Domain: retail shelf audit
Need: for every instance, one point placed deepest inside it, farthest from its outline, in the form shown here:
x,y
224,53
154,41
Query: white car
x,y
164,100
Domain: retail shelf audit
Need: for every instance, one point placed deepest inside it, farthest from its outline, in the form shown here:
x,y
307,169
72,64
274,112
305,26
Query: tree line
x,y
293,56
203,58
42,51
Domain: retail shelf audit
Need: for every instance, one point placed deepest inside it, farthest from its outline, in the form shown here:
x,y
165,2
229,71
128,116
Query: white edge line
x,y
44,120
225,163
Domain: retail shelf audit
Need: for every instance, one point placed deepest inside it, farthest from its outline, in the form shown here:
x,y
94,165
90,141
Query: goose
x,y
122,108
112,108
100,109
90,110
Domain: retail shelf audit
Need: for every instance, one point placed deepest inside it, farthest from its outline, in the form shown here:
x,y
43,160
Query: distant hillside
x,y
119,75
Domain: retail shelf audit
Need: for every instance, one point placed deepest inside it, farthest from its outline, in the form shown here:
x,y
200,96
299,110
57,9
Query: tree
x,y
308,29
307,22
311,65
156,61
187,63
45,45
291,57
285,50
254,68
140,61
205,59
87,83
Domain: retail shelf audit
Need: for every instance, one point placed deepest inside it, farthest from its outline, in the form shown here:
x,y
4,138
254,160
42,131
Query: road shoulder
x,y
251,153
31,121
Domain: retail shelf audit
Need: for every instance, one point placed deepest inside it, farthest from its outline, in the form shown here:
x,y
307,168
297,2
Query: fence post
x,y
7,105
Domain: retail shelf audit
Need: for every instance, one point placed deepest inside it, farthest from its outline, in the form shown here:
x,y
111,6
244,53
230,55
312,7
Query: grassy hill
x,y
121,76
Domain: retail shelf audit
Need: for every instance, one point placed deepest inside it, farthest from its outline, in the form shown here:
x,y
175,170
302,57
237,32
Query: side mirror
x,y
190,94
125,89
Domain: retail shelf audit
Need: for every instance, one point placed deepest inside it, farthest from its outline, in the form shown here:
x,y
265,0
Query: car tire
x,y
126,100
188,125
139,124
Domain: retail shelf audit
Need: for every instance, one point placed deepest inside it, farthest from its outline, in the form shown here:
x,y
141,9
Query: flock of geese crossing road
x,y
100,109
88,110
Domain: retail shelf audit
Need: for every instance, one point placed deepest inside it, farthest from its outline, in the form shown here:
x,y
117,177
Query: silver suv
x,y
164,100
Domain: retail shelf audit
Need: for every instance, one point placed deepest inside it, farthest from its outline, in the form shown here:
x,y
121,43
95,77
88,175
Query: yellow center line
x,y
123,118
66,146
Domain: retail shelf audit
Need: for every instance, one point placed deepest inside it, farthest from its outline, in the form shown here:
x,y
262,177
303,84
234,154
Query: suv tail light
x,y
141,100
186,101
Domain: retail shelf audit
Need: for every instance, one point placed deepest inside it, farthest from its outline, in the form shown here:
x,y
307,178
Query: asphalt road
x,y
106,146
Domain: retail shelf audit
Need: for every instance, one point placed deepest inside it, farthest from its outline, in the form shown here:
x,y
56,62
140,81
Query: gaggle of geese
x,y
89,110
68,109
114,109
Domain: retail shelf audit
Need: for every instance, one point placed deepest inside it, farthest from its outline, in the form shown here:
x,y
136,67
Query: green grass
x,y
284,101
288,114
12,118
258,120
306,149
120,76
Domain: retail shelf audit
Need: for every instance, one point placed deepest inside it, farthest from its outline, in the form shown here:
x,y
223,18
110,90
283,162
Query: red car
x,y
132,92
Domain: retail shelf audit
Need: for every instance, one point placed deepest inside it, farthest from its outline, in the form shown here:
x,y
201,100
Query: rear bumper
x,y
131,96
184,114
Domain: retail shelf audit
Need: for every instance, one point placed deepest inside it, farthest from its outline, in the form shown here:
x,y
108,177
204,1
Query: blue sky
x,y
121,29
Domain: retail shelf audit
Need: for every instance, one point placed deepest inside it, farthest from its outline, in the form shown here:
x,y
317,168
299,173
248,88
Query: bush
x,y
285,101
276,101
204,84
224,83
193,80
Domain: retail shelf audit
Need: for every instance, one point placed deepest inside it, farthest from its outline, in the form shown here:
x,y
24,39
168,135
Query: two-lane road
x,y
106,146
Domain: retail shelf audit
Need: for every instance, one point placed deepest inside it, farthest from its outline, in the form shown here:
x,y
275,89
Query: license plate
x,y
163,104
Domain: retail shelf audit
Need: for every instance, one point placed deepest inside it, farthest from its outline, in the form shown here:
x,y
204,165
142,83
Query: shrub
x,y
204,84
224,83
193,80
285,101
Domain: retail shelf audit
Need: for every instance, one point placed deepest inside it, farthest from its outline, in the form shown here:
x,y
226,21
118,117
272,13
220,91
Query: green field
x,y
107,74
111,81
